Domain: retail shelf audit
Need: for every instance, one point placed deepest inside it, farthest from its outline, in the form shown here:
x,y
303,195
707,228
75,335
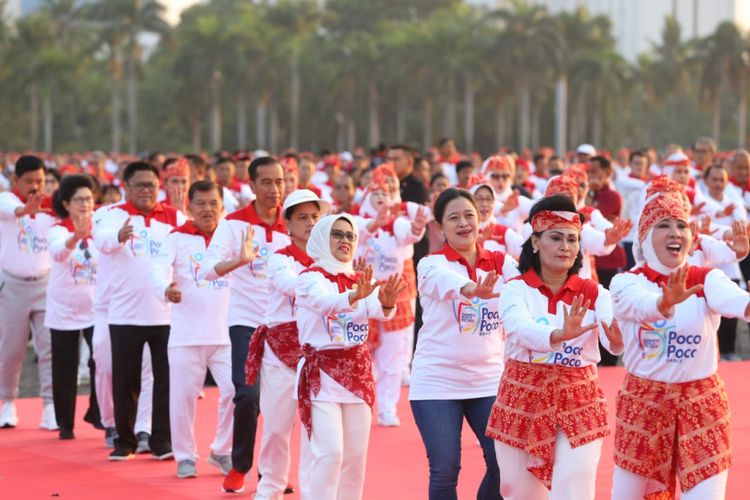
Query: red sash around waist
x,y
283,340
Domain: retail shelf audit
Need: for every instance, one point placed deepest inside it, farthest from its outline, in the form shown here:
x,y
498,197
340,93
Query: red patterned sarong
x,y
283,340
350,367
667,432
535,399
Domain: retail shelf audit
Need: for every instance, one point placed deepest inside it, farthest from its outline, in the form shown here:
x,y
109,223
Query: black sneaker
x,y
121,455
163,454
92,419
66,433
143,446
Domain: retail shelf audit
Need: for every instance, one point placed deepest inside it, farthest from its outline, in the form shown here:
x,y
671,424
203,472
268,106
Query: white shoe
x,y
49,421
8,416
388,420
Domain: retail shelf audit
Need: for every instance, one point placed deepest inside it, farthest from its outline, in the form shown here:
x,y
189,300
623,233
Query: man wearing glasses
x,y
132,235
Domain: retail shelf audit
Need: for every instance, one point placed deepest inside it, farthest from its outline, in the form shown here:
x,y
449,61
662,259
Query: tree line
x,y
235,74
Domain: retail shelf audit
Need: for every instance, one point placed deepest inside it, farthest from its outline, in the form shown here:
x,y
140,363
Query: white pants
x,y
279,410
388,359
629,486
338,446
102,345
22,306
187,373
573,472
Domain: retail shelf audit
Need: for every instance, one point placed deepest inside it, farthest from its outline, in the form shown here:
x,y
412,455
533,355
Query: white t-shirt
x,y
23,240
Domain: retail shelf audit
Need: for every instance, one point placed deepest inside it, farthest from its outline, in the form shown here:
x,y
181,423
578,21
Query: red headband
x,y
555,219
579,172
179,168
662,206
562,184
497,162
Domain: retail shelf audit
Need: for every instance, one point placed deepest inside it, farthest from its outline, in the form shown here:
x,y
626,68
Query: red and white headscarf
x,y
178,168
562,184
498,163
555,219
579,172
477,181
377,183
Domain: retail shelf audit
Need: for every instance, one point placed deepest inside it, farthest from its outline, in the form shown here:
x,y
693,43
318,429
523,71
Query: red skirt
x,y
666,432
535,399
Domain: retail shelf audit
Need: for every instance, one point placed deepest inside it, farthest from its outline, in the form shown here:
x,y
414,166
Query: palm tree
x,y
121,23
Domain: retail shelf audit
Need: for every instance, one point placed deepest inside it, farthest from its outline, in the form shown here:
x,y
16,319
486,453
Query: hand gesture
x,y
696,209
390,290
178,196
173,294
738,240
382,218
620,228
727,211
248,248
419,222
359,264
82,225
673,291
126,231
363,287
705,226
614,334
484,288
34,204
572,319
511,203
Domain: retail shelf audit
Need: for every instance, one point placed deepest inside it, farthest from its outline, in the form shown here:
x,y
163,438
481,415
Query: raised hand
x,y
738,240
359,264
696,209
620,228
727,211
484,288
390,290
511,203
614,334
673,291
126,231
34,204
572,322
363,287
173,294
419,222
178,196
248,249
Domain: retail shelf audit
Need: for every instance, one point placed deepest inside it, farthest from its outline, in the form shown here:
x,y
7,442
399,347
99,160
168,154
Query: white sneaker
x,y
8,416
49,421
388,420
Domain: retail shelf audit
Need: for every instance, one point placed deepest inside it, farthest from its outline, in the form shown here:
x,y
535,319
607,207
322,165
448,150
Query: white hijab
x,y
319,245
645,253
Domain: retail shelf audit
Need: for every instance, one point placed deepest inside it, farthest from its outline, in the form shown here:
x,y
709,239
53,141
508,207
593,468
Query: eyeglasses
x,y
484,199
349,236
144,186
498,176
81,200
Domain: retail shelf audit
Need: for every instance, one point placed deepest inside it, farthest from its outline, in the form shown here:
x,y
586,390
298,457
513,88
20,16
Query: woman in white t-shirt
x,y
459,356
70,297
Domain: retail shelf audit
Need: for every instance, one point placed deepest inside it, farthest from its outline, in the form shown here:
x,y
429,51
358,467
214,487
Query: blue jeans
x,y
246,401
440,423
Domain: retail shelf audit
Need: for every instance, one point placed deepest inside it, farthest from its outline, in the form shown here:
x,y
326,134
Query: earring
x,y
536,250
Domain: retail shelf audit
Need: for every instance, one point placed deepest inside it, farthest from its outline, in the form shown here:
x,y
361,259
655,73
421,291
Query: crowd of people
x,y
314,287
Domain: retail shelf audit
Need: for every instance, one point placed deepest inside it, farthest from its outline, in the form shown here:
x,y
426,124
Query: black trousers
x,y
127,355
246,401
65,357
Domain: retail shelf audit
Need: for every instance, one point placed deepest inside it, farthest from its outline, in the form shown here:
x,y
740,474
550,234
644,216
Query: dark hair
x,y
139,166
205,187
292,156
463,165
261,161
443,141
636,152
28,163
51,172
604,163
537,157
530,260
436,177
448,196
406,149
68,187
711,167
290,211
223,159
107,188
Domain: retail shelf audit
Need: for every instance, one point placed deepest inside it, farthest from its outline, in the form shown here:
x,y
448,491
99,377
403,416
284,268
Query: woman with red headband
x,y
459,355
335,386
550,416
673,419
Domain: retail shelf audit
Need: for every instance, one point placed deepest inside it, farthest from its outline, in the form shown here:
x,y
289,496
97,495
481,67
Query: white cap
x,y
304,196
260,152
586,149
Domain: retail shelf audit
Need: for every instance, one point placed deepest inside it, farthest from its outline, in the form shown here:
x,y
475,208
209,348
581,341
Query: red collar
x,y
46,201
633,176
744,187
161,213
67,223
190,228
297,254
486,260
696,276
249,215
573,287
344,281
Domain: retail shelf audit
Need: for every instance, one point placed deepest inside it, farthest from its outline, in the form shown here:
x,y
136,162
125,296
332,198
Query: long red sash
x,y
283,340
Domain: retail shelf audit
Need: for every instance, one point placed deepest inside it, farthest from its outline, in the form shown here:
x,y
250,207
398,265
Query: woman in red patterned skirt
x,y
673,422
550,414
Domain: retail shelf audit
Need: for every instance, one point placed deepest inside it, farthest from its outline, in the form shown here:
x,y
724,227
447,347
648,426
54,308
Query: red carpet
x,y
34,464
